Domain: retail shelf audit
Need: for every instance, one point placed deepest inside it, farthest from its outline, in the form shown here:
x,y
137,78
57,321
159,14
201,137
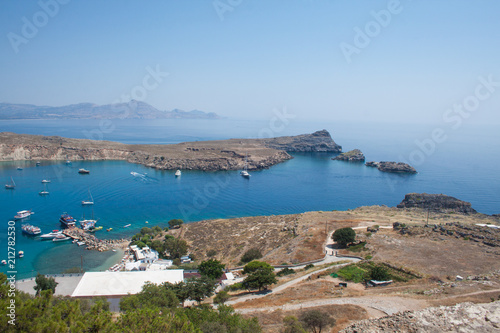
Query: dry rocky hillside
x,y
202,155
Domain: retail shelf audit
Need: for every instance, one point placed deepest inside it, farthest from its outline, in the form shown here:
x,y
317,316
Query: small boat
x,y
45,181
80,243
21,254
10,186
88,202
67,220
126,226
51,235
22,214
244,173
4,262
87,224
96,229
178,173
19,168
60,238
37,163
31,229
44,192
109,229
83,171
68,162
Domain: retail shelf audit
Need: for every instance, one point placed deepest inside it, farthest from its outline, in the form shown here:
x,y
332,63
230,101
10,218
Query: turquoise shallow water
x,y
307,182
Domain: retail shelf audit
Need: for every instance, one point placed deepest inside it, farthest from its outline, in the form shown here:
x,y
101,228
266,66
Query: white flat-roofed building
x,y
117,284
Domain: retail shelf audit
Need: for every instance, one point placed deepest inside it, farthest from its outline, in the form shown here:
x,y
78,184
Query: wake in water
x,y
143,177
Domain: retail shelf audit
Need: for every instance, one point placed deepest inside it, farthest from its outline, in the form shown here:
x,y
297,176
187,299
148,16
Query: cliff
x,y
392,167
354,155
437,202
202,155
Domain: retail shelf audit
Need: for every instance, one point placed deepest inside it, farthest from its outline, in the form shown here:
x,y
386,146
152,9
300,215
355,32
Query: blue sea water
x,y
464,165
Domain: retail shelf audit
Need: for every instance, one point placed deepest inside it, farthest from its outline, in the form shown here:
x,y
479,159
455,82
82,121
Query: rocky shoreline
x,y
436,202
203,155
92,242
354,155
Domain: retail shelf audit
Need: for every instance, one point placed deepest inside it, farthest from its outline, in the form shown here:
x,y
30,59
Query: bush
x,y
221,297
236,286
211,253
344,236
175,223
250,255
379,273
285,271
357,248
353,273
308,266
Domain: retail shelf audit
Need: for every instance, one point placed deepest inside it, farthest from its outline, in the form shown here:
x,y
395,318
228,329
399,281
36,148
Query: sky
x,y
380,61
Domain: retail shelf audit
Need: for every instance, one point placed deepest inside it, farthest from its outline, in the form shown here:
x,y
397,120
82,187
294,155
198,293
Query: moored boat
x,y
244,173
4,262
127,225
178,173
31,229
67,220
83,171
22,214
21,254
60,238
51,235
88,202
45,181
10,186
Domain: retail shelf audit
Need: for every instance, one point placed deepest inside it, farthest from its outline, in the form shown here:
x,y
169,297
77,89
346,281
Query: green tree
x,y
44,283
316,320
156,229
260,275
292,325
146,231
176,247
158,246
344,236
211,268
200,288
175,223
379,273
221,297
250,255
150,296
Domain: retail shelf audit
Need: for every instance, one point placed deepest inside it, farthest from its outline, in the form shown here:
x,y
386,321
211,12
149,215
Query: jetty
x,y
91,242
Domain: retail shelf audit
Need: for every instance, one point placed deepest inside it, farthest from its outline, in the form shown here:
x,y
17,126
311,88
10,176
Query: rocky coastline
x,y
394,167
203,155
354,155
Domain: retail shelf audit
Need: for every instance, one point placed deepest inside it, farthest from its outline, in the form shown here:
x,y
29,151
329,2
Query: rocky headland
x,y
354,155
203,155
395,167
436,202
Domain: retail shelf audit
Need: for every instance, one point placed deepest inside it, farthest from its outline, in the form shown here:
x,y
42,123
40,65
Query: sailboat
x,y
244,172
10,186
44,192
88,202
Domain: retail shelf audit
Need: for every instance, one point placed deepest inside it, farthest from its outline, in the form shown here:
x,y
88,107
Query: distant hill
x,y
131,110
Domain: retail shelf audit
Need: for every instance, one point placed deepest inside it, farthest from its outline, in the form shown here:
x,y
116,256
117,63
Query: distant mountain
x,y
131,110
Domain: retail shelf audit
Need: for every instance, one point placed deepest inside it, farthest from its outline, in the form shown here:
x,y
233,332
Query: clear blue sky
x,y
264,54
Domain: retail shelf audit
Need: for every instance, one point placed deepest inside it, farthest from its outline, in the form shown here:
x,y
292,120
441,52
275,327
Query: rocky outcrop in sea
x,y
436,202
396,167
354,155
319,141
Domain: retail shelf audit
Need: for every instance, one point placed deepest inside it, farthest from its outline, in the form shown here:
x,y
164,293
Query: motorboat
x,y
20,254
109,229
96,229
244,173
37,163
60,238
51,235
83,171
22,214
44,192
45,181
127,225
19,168
178,173
4,262
31,229
67,220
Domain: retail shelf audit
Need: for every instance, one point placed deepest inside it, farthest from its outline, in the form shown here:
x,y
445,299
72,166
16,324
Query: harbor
x,y
91,242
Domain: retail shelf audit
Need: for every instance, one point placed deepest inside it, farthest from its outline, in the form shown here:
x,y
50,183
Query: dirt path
x,y
387,304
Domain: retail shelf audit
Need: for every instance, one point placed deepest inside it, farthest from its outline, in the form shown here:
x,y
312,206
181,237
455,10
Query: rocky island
x,y
436,202
354,155
392,167
203,155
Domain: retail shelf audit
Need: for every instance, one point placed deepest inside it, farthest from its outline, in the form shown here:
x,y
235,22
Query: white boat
x,y
51,235
83,171
244,172
88,224
22,214
31,229
45,181
60,238
4,262
178,173
37,163
21,254
88,202
44,192
10,186
19,168
127,225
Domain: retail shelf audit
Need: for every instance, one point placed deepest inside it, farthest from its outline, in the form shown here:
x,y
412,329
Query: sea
x,y
462,162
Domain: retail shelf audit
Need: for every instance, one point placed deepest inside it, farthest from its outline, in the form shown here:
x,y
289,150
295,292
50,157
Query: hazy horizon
x,y
382,61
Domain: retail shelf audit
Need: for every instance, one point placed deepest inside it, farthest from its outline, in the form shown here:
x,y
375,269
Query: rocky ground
x,y
436,202
464,317
392,167
351,156
203,155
